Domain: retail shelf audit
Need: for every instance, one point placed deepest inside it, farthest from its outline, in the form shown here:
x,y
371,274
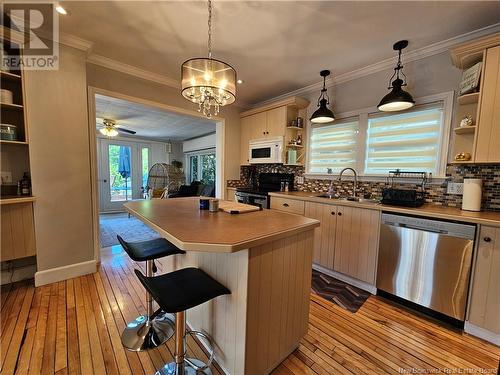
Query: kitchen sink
x,y
350,199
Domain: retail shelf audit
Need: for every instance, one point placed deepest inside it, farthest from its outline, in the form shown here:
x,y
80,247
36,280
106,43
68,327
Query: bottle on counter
x,y
25,185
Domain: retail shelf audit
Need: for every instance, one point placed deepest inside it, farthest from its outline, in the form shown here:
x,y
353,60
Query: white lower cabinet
x,y
484,304
347,240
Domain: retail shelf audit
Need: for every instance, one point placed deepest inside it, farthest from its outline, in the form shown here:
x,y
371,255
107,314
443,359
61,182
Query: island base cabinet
x,y
267,313
17,231
484,306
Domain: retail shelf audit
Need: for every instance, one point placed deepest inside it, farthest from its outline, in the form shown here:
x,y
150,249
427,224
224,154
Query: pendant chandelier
x,y
208,82
397,99
323,114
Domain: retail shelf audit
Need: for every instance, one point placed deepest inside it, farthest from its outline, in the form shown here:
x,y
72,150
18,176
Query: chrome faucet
x,y
355,179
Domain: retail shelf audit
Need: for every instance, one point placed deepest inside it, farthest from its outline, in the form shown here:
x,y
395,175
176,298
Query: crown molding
x,y
108,63
415,55
76,42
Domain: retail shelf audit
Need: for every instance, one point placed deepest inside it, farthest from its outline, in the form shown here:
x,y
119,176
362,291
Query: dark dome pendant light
x,y
323,115
397,99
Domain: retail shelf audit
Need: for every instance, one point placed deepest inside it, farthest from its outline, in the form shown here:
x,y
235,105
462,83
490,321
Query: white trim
x,y
482,333
415,55
70,271
76,42
347,279
108,63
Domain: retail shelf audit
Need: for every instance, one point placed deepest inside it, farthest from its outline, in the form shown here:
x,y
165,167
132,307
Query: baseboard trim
x,y
54,275
350,280
482,333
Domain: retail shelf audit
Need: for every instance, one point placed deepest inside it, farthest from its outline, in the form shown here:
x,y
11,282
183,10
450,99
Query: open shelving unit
x,y
15,152
467,104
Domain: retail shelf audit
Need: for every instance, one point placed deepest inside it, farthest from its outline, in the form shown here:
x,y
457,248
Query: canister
x,y
6,96
204,203
471,200
214,205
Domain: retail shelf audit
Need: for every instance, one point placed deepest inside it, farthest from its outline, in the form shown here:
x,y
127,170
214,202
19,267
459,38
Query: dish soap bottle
x,y
25,185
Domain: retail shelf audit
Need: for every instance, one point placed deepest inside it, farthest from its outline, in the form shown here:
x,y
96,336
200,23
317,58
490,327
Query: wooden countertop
x,y
427,210
16,199
181,222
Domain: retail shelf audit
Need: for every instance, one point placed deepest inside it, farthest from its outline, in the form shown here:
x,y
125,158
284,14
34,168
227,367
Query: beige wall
x,y
135,87
56,104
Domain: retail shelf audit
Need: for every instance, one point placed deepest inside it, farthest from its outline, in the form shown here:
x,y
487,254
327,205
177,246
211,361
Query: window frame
x,y
198,154
447,98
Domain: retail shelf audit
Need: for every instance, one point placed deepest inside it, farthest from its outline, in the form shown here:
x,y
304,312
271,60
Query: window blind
x,y
409,141
333,146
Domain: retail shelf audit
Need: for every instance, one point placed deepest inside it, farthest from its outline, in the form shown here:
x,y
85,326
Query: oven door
x,y
259,201
241,197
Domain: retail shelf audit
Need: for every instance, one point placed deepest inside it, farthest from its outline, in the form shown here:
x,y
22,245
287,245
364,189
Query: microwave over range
x,y
266,151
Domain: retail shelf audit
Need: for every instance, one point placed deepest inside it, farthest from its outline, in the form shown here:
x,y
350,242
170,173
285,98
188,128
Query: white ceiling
x,y
275,46
150,122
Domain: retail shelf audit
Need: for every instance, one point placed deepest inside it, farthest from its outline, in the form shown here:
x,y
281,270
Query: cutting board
x,y
236,208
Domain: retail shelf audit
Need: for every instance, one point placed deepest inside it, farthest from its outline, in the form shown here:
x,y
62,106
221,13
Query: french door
x,y
123,172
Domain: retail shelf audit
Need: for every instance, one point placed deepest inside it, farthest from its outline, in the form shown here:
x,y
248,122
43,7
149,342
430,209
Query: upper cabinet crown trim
x,y
465,54
292,101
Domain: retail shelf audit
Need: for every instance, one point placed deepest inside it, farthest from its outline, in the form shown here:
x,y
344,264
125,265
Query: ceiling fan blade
x,y
123,130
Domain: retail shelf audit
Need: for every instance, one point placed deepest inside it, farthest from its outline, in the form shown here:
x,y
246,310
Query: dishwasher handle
x,y
402,225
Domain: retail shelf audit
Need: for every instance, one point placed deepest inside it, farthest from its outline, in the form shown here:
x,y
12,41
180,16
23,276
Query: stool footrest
x,y
211,346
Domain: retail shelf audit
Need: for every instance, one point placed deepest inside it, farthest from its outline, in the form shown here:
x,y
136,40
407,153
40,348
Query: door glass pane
x,y
208,168
120,171
145,165
193,167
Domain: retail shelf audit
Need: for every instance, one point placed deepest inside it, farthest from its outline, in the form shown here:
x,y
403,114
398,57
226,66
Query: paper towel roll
x,y
471,200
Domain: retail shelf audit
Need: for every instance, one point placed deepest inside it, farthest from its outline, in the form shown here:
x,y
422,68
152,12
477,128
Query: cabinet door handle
x,y
487,239
264,133
286,205
340,214
333,212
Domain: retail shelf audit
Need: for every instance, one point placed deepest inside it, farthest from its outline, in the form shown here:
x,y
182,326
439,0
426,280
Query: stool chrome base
x,y
171,369
141,334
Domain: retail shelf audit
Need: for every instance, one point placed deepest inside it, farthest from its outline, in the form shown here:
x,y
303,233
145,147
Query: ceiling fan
x,y
109,128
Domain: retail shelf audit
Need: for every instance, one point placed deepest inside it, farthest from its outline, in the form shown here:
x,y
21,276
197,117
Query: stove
x,y
259,195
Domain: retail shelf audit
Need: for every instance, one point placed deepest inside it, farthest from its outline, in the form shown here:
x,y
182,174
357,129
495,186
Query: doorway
x,y
123,172
148,133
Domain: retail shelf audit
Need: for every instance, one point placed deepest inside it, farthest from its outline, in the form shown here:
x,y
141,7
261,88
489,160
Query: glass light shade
x,y
109,132
322,115
208,82
397,99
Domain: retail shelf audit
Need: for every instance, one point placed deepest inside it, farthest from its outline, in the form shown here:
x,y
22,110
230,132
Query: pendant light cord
x,y
209,29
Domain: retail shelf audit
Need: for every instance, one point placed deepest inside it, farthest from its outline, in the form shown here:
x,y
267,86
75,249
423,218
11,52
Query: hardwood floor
x,y
74,327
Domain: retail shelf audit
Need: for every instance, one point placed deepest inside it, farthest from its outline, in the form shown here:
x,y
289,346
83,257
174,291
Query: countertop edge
x,y
223,248
16,200
426,210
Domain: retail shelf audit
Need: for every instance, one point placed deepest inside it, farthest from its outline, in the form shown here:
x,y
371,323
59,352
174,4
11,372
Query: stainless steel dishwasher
x,y
427,262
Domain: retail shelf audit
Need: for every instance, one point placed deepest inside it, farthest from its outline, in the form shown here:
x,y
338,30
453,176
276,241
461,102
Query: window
x,y
334,146
202,167
408,141
145,165
376,143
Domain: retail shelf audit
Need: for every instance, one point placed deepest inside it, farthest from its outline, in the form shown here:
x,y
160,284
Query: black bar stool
x,y
153,329
176,292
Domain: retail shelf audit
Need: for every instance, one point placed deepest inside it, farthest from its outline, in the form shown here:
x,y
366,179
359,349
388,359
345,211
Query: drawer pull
x,y
333,212
286,205
487,239
340,214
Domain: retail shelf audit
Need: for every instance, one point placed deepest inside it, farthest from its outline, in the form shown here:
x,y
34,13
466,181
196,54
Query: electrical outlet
x,y
300,180
455,188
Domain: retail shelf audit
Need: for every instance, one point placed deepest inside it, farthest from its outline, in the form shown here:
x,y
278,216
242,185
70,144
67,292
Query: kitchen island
x,y
263,257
